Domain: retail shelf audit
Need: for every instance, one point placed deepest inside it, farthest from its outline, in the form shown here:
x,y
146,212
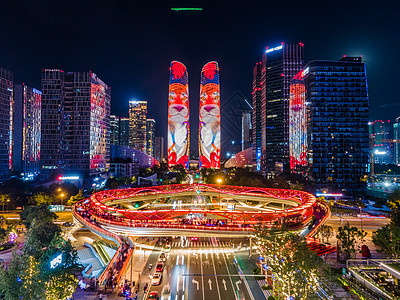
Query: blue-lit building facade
x,y
336,101
6,117
279,65
27,123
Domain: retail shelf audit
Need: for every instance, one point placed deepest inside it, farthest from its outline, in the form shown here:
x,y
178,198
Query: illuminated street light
x,y
61,196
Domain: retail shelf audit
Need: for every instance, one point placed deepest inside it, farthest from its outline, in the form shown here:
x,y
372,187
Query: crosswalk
x,y
197,244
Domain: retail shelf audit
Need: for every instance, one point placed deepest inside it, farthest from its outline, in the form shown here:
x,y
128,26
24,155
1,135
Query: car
x,y
167,248
159,267
153,295
194,238
68,224
162,257
156,280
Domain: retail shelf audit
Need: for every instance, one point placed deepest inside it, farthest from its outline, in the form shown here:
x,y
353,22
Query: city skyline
x,y
328,34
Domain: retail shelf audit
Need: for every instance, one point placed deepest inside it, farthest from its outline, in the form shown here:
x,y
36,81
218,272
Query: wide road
x,y
200,270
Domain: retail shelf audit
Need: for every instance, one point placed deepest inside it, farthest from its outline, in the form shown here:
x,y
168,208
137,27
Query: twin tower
x,y
209,116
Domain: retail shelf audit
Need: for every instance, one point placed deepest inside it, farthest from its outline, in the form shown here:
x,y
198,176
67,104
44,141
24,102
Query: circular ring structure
x,y
247,205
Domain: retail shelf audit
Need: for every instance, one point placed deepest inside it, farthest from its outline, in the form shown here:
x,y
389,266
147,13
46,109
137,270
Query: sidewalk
x,y
247,264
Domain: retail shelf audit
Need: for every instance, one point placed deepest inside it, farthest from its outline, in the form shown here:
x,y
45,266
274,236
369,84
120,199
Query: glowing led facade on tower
x,y
297,124
210,117
178,116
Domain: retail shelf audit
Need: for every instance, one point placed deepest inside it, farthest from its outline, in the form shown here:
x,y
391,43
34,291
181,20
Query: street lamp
x,y
361,217
61,196
219,180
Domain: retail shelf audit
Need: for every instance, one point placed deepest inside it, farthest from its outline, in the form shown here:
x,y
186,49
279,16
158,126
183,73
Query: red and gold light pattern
x,y
178,116
297,123
305,210
210,117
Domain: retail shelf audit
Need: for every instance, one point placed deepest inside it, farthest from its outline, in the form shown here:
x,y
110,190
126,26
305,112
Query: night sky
x,y
130,45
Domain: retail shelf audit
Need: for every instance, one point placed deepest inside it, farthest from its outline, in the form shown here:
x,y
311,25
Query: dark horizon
x,y
130,46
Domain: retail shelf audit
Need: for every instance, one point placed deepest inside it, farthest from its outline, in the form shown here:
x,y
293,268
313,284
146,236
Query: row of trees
x,y
387,238
16,193
294,270
31,274
246,177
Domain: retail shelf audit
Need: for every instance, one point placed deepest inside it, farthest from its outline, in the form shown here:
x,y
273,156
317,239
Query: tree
x,y
4,199
41,212
39,237
325,232
295,269
393,203
40,198
350,239
75,198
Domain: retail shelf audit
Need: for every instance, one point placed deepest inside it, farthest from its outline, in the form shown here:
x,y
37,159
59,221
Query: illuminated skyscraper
x,y
150,136
114,130
210,117
396,139
279,65
6,121
246,129
27,123
336,97
178,116
298,125
124,131
256,117
159,148
137,124
381,135
75,135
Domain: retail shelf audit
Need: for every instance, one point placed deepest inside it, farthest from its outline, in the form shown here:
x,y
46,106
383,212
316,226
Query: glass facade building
x,y
6,122
279,65
381,137
75,135
396,140
159,146
114,130
336,97
137,124
150,136
27,123
256,117
124,131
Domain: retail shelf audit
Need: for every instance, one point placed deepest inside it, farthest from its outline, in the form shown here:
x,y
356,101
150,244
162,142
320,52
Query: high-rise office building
x,y
6,122
246,129
75,135
137,124
159,148
114,130
27,123
256,117
150,136
124,131
336,101
381,135
396,140
279,65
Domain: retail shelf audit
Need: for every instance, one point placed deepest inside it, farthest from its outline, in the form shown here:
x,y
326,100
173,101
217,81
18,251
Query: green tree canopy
x,y
40,212
351,239
41,198
39,237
